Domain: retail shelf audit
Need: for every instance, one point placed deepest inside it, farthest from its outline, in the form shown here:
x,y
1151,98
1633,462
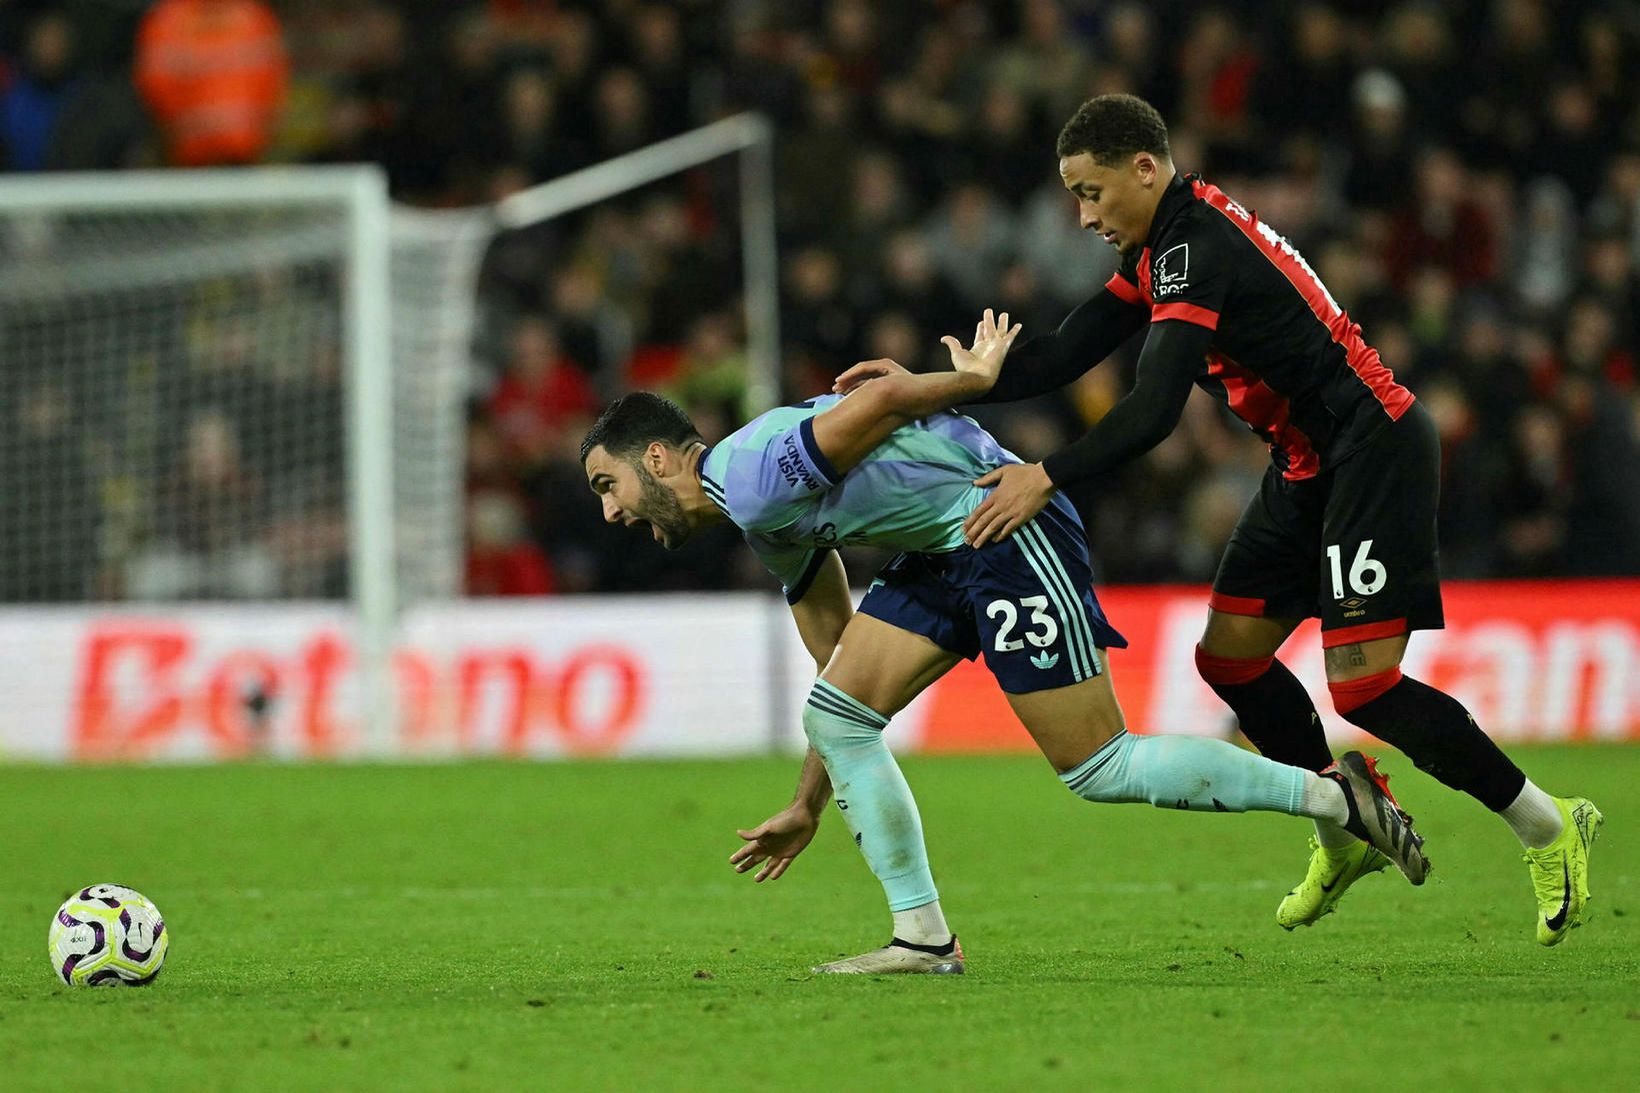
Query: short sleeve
x,y
793,564
1190,274
767,485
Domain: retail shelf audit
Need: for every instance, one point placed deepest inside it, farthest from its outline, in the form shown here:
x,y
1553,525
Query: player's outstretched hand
x,y
993,337
1022,491
775,842
866,370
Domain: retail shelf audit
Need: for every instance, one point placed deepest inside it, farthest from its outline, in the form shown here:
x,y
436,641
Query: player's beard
x,y
662,508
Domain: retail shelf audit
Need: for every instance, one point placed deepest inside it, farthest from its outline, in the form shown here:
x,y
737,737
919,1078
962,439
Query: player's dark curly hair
x,y
633,421
1113,129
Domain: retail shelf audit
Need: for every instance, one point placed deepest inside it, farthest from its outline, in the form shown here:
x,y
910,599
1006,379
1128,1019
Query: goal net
x,y
175,404
250,386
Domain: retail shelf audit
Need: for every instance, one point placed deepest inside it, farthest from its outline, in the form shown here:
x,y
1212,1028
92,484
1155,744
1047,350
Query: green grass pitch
x,y
575,926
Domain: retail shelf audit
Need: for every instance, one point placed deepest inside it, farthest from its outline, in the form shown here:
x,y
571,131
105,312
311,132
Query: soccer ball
x,y
108,936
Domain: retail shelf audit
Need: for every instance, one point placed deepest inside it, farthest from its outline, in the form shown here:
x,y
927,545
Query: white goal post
x,y
259,362
137,236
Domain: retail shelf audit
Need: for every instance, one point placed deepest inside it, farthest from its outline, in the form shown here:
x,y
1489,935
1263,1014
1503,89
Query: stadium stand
x,y
1465,178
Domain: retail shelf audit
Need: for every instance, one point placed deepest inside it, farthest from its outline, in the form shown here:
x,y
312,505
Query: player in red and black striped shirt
x,y
1343,526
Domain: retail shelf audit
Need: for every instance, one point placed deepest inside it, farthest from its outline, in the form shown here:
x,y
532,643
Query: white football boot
x,y
901,958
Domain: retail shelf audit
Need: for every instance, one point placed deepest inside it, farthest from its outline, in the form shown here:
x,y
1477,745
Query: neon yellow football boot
x,y
1560,871
1331,873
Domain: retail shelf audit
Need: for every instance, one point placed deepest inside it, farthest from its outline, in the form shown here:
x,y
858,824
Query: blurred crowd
x,y
1464,176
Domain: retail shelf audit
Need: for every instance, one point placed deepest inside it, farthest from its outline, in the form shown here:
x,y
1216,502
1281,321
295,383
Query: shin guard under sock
x,y
1188,772
1435,731
1274,709
871,792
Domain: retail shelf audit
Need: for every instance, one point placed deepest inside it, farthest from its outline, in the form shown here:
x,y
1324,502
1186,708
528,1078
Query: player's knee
x,y
1106,775
1222,671
1244,636
820,729
1351,694
830,726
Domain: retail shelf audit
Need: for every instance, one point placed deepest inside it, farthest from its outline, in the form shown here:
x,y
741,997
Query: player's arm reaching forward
x,y
844,435
1047,362
1087,336
1183,325
820,616
1167,370
848,431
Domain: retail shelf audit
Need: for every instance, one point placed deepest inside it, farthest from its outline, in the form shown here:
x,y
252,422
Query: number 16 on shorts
x,y
1367,574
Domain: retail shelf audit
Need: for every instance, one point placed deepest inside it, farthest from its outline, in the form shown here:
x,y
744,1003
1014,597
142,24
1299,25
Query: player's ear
x,y
654,458
1144,165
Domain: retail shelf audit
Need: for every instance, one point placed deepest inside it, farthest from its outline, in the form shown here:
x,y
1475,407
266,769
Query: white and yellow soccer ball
x,y
107,935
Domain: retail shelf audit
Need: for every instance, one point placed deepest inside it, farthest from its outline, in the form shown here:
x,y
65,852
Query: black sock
x,y
1441,737
1276,714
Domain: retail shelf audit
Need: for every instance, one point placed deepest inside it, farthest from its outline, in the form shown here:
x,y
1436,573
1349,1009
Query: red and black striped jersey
x,y
1284,356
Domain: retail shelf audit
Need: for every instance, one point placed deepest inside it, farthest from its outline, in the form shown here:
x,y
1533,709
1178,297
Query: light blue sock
x,y
1189,772
871,793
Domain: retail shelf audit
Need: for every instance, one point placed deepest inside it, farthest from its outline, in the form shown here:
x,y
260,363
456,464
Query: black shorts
x,y
1355,545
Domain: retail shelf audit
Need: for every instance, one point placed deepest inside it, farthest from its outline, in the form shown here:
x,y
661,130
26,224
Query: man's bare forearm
x,y
916,396
813,785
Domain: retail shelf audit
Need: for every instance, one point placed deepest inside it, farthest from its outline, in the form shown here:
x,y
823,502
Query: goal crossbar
x,y
749,135
183,188
368,334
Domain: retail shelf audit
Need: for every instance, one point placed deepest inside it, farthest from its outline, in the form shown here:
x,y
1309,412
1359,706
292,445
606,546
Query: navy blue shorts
x,y
1027,603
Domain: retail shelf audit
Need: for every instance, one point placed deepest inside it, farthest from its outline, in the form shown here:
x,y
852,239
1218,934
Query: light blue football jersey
x,y
912,493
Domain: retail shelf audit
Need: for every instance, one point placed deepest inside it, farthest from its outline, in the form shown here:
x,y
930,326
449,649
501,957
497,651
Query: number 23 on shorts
x,y
1005,641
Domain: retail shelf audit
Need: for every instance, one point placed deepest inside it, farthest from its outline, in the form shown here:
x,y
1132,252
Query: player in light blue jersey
x,y
892,465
